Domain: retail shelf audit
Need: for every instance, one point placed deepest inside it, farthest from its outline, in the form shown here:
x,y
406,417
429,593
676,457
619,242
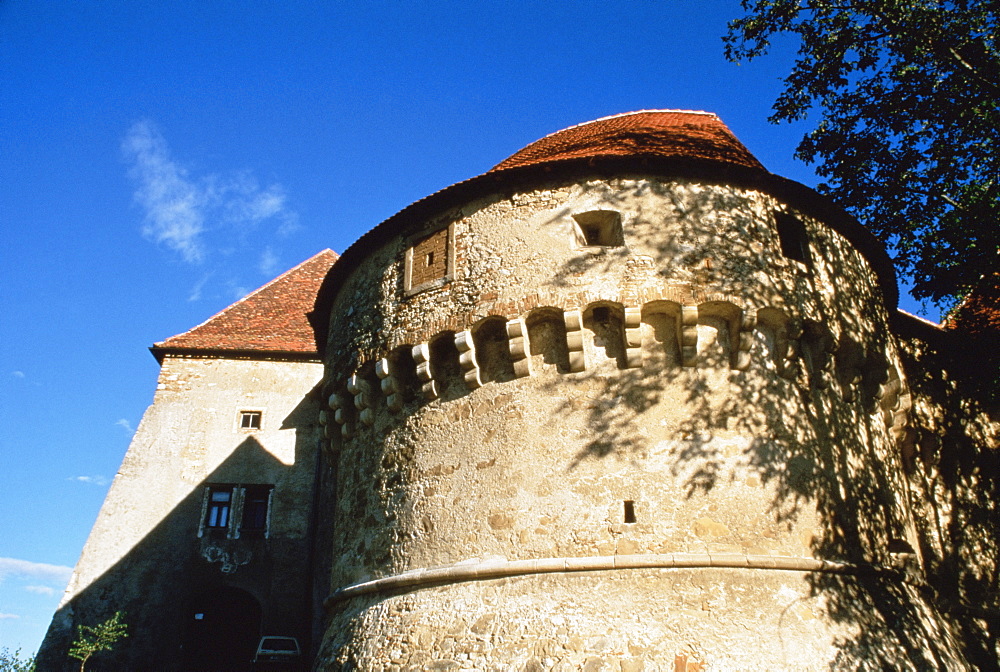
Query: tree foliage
x,y
12,661
91,639
908,137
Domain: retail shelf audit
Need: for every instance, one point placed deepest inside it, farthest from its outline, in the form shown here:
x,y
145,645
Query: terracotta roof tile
x,y
660,133
271,319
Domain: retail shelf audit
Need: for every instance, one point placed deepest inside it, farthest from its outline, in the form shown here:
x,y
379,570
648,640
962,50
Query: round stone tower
x,y
627,401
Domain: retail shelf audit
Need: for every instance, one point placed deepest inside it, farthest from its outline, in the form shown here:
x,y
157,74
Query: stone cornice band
x,y
496,569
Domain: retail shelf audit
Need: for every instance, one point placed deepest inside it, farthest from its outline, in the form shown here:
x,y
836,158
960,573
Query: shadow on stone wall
x,y
953,465
172,573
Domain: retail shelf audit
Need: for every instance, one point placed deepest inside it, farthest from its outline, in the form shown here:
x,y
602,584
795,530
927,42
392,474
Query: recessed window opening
x,y
599,228
428,261
602,314
255,505
250,419
219,503
793,238
629,511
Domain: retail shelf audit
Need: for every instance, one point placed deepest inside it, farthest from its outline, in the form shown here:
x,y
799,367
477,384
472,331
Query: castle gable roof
x,y
671,134
269,322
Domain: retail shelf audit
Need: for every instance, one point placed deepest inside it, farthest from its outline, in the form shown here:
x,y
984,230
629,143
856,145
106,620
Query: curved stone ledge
x,y
500,568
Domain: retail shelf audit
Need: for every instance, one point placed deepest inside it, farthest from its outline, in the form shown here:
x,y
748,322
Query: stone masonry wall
x,y
144,555
689,395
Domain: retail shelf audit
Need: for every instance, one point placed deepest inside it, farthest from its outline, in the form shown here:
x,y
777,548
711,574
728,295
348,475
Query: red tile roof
x,y
979,312
271,320
659,133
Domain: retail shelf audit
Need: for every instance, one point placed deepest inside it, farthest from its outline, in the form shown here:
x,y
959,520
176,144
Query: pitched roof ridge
x,y
244,298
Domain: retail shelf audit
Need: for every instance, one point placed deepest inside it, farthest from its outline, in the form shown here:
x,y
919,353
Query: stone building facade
x,y
626,402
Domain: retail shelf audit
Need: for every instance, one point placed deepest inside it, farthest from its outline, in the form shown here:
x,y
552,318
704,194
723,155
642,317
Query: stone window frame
x,y
604,224
244,412
235,524
793,239
449,275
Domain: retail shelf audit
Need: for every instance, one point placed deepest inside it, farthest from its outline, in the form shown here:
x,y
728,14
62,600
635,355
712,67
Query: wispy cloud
x,y
181,209
268,262
40,571
17,374
92,480
173,202
195,294
41,590
126,425
4,616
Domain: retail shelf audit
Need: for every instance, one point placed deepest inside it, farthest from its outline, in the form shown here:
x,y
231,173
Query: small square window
x,y
598,228
250,419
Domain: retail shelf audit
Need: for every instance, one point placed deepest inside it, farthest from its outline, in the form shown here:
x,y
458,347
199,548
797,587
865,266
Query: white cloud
x,y
17,374
41,590
195,294
35,570
268,262
182,210
6,616
126,425
93,480
174,204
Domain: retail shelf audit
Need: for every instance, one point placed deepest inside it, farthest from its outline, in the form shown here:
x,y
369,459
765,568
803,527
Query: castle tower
x,y
627,401
205,537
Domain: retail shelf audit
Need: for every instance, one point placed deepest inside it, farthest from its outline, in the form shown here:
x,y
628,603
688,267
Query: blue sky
x,y
159,160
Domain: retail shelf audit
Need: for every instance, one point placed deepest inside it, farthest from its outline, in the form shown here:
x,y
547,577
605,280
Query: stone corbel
x,y
573,319
633,338
389,385
789,347
688,336
359,387
520,349
467,359
744,339
338,405
422,356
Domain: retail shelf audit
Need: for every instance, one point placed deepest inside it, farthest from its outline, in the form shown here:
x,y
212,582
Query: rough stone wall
x,y
144,555
952,460
729,400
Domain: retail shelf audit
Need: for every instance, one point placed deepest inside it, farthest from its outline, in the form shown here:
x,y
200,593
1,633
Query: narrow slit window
x,y
250,419
629,511
793,238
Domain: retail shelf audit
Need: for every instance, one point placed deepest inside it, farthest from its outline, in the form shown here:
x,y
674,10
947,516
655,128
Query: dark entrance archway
x,y
222,633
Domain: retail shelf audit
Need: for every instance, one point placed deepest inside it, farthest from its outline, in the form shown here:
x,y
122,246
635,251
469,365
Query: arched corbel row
x,y
520,348
422,358
467,359
633,337
688,335
573,319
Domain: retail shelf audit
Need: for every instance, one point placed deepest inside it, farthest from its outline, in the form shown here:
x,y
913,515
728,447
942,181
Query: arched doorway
x,y
222,632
